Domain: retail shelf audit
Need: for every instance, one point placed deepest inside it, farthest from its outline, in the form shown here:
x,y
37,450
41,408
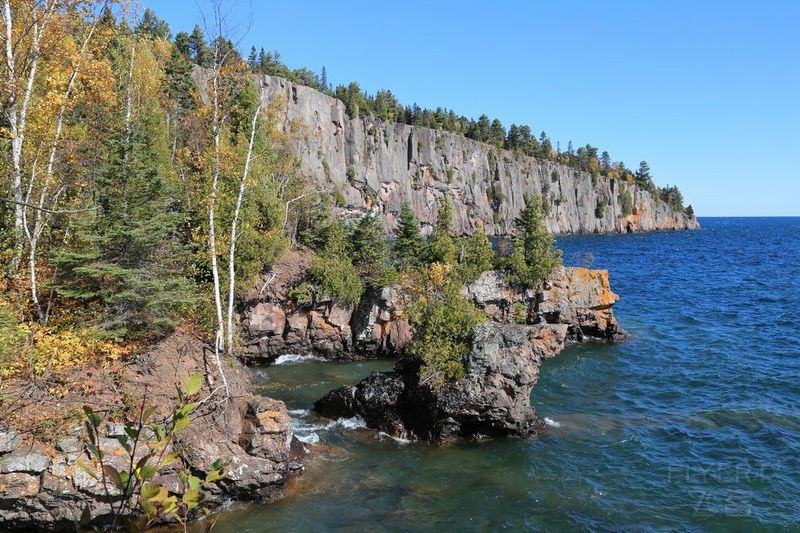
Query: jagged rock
x,y
493,399
501,367
379,165
9,440
45,488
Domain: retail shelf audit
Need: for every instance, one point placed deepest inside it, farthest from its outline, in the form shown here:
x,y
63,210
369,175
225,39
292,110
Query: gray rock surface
x,y
9,440
375,164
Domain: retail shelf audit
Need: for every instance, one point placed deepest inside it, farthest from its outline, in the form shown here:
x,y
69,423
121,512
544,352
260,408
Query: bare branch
x,y
50,211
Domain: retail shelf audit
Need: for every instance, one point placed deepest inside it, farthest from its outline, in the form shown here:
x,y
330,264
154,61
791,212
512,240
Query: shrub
x,y
477,256
410,247
443,246
443,321
370,253
600,208
534,254
625,201
520,313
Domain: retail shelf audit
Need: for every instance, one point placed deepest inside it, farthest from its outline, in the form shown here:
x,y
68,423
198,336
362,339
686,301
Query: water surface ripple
x,y
693,425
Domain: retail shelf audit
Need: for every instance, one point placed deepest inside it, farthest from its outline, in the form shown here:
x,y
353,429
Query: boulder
x,y
9,440
265,318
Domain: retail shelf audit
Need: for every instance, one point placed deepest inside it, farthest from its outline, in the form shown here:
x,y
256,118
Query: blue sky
x,y
707,92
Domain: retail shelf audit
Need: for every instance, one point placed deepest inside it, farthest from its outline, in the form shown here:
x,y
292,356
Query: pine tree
x,y
643,176
179,80
323,81
182,44
370,252
477,256
534,254
127,258
252,59
152,26
443,246
409,247
200,52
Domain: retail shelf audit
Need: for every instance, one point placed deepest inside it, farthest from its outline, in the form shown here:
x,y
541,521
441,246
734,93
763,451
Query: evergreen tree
x,y
199,50
323,81
370,252
534,254
182,43
643,174
477,256
152,26
179,80
252,60
332,271
410,246
443,246
128,258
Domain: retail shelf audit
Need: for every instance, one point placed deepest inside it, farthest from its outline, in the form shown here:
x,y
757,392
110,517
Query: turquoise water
x,y
693,425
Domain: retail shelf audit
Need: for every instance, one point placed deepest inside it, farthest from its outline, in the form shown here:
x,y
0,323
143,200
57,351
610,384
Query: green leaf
x,y
86,516
112,474
149,491
88,470
94,450
181,423
169,458
132,432
123,440
90,414
148,413
192,496
148,507
214,475
193,482
192,384
147,471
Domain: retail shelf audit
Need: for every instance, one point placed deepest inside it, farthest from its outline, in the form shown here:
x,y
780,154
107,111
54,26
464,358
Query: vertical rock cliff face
x,y
376,164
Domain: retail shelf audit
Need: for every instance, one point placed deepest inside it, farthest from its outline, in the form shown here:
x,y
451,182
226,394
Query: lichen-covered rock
x,y
379,165
9,440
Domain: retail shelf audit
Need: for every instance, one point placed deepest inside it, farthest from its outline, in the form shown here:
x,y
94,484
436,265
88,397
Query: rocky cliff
x,y
376,164
501,368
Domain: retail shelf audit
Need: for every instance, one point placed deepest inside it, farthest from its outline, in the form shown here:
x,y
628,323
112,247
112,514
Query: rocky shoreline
x,y
42,487
501,367
46,485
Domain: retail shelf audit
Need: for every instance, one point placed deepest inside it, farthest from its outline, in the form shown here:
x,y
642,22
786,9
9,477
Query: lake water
x,y
692,425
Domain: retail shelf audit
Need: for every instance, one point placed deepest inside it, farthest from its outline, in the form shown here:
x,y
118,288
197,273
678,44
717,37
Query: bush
x,y
410,247
625,201
370,253
443,246
534,254
477,256
332,272
443,321
600,208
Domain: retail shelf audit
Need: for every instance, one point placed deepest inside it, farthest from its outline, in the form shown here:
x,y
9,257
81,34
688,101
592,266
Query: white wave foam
x,y
311,438
349,423
399,440
298,412
294,358
552,423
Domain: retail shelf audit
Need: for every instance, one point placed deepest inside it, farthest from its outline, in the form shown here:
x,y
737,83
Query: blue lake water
x,y
693,425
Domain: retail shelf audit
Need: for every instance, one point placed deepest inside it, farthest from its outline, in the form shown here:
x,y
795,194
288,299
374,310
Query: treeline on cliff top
x,y
132,206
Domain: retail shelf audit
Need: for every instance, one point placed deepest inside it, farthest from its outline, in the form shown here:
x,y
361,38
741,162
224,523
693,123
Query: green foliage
x,y
133,492
410,248
600,208
625,200
302,294
672,196
443,321
128,258
534,255
520,313
332,272
370,252
690,211
443,246
476,258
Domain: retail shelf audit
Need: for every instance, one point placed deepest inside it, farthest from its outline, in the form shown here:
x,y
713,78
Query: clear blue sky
x,y
707,92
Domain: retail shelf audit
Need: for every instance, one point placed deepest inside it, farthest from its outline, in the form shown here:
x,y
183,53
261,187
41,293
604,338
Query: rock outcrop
x,y
275,325
43,485
501,367
376,164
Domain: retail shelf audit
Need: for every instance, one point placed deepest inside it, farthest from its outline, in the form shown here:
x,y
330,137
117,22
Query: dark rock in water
x,y
493,399
502,366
